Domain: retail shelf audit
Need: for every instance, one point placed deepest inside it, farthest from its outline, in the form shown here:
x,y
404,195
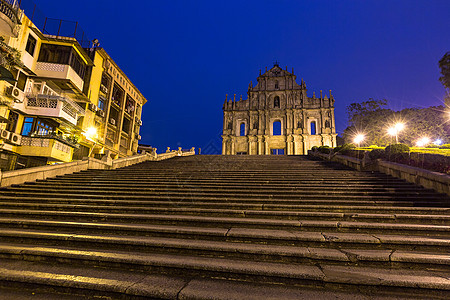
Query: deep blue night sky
x,y
184,56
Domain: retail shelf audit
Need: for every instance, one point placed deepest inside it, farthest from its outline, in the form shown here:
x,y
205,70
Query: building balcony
x,y
51,147
9,17
52,106
64,75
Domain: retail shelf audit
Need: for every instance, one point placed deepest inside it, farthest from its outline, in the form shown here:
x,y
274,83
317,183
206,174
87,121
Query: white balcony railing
x,y
59,71
41,100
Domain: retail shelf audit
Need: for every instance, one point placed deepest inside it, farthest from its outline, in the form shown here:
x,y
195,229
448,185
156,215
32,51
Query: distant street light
x,y
394,131
437,142
423,142
358,139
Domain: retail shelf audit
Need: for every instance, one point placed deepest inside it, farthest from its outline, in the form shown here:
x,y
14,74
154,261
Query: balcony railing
x,y
50,106
10,8
47,146
59,71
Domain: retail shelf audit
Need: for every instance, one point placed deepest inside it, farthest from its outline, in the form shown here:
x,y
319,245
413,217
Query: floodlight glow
x,y
437,142
91,133
395,130
399,126
358,139
423,142
392,131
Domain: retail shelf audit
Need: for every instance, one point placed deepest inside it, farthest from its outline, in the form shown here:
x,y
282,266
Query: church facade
x,y
277,118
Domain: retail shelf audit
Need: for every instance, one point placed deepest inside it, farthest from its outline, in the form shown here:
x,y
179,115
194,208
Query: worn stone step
x,y
23,280
236,269
344,207
132,184
253,213
227,222
327,239
248,251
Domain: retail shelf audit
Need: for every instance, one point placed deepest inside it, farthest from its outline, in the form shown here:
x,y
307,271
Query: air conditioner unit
x,y
5,134
17,94
15,138
112,121
92,107
100,113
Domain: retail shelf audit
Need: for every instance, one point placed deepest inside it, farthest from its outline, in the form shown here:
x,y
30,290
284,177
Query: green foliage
x,y
445,146
344,148
314,148
429,121
10,57
396,148
324,149
377,153
444,65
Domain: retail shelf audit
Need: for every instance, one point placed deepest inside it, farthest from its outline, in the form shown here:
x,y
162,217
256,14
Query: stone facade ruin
x,y
277,118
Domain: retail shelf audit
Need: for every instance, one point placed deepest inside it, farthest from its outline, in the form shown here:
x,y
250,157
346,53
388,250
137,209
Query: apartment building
x,y
62,97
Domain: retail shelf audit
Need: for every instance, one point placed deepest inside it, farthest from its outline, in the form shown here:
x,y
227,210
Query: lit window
x,y
313,127
31,45
242,130
276,129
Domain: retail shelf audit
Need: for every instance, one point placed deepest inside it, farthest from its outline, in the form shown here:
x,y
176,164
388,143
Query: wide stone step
x,y
247,251
245,193
304,200
220,184
225,188
296,237
13,202
253,213
234,269
31,280
227,222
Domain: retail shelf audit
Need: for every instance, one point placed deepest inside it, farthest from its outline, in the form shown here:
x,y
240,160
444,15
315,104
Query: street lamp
x,y
358,139
91,135
395,130
423,142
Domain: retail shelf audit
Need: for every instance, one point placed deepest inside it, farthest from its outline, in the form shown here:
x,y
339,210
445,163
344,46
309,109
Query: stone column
x,y
260,145
233,145
224,144
266,145
289,145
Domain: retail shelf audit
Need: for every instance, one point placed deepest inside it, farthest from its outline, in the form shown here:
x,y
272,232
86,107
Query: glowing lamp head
x,y
423,142
437,142
358,139
399,126
392,131
91,133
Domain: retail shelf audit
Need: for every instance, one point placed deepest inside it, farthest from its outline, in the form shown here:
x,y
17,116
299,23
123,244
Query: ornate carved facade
x,y
277,118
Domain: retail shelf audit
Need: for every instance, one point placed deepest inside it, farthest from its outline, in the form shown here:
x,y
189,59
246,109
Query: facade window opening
x,y
313,127
101,103
31,45
276,102
242,129
276,130
27,126
277,151
13,118
276,84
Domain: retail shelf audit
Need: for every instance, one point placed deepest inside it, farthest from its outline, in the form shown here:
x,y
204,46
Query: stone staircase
x,y
224,227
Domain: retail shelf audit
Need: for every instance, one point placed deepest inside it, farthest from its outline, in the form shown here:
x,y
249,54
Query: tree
x,y
373,121
444,64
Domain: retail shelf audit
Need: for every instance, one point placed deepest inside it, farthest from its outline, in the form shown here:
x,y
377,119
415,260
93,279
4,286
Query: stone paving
x,y
225,227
